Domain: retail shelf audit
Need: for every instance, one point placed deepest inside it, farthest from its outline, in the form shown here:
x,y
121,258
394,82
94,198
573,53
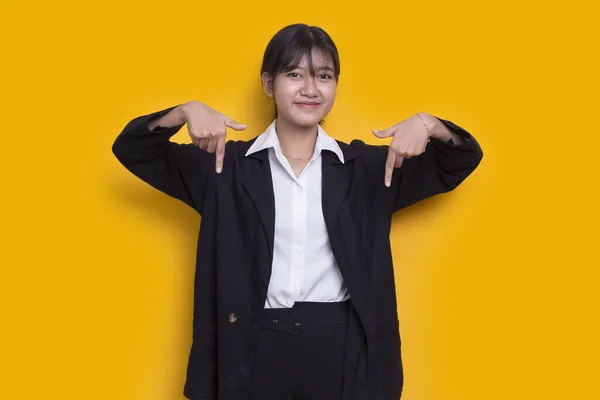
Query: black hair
x,y
291,43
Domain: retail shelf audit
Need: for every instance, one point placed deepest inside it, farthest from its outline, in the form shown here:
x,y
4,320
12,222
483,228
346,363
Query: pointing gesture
x,y
410,139
208,128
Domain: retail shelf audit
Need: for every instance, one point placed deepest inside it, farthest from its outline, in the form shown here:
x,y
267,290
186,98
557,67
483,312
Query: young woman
x,y
294,286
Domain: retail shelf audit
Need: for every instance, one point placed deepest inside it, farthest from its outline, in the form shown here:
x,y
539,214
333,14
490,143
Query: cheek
x,y
329,93
285,95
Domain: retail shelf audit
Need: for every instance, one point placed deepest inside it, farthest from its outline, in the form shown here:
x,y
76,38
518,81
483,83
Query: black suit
x,y
235,244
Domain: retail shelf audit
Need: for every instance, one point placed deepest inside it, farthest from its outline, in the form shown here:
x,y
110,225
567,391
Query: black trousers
x,y
300,352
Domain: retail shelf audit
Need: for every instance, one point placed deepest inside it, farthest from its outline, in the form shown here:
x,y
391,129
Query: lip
x,y
308,105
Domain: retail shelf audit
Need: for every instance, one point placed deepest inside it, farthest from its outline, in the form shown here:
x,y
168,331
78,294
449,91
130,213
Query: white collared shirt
x,y
304,268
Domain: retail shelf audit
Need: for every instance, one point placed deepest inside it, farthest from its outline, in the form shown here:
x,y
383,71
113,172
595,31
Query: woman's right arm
x,y
179,170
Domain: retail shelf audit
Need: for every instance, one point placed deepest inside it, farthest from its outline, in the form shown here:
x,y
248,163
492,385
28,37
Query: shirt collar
x,y
269,139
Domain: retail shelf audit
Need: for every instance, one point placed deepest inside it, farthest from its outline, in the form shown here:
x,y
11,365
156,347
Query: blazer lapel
x,y
335,181
335,184
336,187
258,183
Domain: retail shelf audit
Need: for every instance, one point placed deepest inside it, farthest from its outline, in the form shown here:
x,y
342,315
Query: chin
x,y
306,120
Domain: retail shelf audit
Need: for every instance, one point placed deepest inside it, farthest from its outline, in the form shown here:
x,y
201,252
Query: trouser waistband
x,y
305,315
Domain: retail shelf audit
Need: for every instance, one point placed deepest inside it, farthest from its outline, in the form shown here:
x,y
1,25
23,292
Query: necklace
x,y
298,159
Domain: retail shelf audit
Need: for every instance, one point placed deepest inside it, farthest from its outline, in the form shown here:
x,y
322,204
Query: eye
x,y
293,73
327,76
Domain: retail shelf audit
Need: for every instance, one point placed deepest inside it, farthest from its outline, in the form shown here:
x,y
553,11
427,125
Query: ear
x,y
267,83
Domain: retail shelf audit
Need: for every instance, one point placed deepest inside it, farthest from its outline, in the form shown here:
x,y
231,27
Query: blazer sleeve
x,y
179,170
441,168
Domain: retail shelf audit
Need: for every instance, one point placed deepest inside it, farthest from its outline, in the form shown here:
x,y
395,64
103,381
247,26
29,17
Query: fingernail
x,y
388,183
219,169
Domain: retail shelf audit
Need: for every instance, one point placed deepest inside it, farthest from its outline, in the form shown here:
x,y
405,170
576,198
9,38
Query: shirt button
x,y
232,317
275,321
297,324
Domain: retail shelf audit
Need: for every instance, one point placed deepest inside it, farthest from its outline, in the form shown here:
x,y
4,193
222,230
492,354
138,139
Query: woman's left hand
x,y
410,138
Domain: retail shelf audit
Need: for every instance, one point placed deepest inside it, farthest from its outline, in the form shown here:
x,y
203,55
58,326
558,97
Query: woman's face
x,y
303,100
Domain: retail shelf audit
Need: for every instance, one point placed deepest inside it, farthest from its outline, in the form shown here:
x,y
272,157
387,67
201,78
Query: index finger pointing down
x,y
220,153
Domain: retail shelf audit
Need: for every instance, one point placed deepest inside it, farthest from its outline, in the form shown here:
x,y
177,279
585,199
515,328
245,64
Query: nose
x,y
310,87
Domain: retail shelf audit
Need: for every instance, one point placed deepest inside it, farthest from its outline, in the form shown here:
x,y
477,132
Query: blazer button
x,y
232,317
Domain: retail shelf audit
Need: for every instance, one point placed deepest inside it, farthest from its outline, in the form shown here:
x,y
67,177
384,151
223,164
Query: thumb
x,y
384,133
234,125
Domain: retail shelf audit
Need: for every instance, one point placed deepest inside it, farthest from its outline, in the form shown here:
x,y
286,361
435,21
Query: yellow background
x,y
497,281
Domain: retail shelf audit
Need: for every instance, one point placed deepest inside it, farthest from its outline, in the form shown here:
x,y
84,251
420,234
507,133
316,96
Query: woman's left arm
x,y
432,155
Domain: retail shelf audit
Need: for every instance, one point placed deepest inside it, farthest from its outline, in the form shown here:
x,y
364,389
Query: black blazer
x,y
235,244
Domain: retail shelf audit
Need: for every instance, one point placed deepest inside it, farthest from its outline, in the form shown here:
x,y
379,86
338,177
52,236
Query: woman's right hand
x,y
208,128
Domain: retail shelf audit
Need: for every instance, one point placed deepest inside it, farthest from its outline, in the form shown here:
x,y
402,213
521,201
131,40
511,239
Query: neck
x,y
296,141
